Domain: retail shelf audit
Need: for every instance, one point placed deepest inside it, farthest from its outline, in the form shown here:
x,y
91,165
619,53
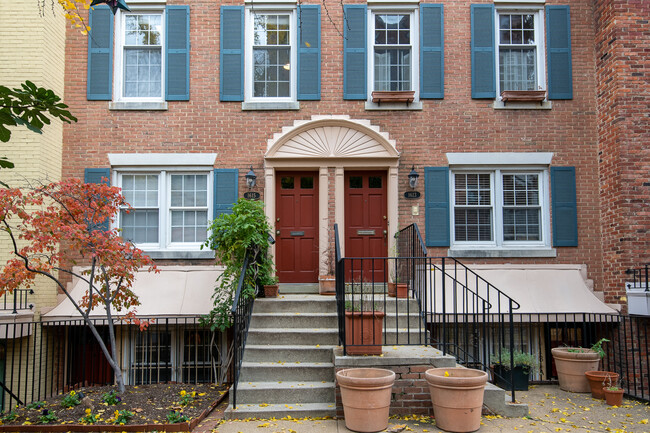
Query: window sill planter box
x,y
523,95
519,377
571,364
457,397
393,96
614,396
365,394
398,290
600,379
327,285
271,291
364,332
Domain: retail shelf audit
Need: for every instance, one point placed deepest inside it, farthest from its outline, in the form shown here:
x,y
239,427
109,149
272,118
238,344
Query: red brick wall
x,y
454,124
623,98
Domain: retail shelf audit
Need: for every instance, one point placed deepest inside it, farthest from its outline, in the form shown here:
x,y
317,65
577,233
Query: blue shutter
x,y
231,87
100,54
354,52
436,200
558,49
226,181
95,175
432,59
309,52
565,209
483,61
177,53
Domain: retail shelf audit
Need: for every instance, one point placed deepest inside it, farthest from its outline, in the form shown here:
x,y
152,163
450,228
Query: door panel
x,y
297,224
366,221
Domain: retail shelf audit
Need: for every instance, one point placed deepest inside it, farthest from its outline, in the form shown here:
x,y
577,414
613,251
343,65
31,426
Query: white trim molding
x,y
161,159
500,158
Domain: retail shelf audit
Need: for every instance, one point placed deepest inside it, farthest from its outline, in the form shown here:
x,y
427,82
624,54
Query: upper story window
x,y
392,52
139,64
520,51
500,208
271,54
170,209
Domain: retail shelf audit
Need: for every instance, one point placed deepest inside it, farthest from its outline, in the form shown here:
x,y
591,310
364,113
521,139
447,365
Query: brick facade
x,y
575,130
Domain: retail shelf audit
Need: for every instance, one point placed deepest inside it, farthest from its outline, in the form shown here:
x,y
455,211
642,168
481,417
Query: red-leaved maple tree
x,y
53,226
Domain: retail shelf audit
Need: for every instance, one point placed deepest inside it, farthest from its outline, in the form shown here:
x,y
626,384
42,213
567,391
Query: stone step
x,y
294,320
500,403
283,410
289,391
295,304
298,288
288,353
297,336
286,371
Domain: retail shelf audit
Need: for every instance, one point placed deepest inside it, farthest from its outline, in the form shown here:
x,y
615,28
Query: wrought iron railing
x,y
640,278
242,309
19,300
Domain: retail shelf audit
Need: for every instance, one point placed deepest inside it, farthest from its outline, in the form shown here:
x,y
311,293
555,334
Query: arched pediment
x,y
331,137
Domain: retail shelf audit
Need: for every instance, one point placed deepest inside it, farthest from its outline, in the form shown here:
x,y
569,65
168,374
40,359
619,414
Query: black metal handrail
x,y
242,309
19,301
640,278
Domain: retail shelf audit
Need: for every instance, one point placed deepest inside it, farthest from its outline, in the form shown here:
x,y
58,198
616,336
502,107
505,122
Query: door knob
x,y
385,233
277,232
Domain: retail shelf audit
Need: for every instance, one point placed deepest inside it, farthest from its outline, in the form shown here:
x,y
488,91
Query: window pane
x,y
140,226
521,213
374,182
271,55
392,69
142,72
306,182
356,182
152,357
287,182
472,224
517,69
189,226
140,190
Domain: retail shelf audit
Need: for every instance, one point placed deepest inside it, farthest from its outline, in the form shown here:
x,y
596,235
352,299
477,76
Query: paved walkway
x,y
551,410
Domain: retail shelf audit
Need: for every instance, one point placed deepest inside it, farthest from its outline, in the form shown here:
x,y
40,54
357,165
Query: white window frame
x,y
164,200
118,67
289,9
414,12
496,199
540,39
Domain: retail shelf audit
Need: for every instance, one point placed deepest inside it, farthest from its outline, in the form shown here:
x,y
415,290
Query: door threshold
x,y
298,288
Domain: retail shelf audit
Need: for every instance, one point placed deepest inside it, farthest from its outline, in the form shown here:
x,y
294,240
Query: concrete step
x,y
294,391
293,320
296,336
286,371
500,403
298,288
288,353
283,410
296,304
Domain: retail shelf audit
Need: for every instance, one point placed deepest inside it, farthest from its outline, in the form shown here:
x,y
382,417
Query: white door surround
x,y
338,143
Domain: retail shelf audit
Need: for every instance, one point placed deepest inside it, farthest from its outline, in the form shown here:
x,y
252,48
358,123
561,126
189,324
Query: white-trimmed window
x,y
139,60
500,208
171,209
271,55
520,54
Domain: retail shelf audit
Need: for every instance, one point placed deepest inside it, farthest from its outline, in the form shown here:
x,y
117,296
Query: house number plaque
x,y
252,195
412,194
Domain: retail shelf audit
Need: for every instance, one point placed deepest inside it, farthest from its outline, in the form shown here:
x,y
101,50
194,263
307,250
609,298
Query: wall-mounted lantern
x,y
251,178
413,178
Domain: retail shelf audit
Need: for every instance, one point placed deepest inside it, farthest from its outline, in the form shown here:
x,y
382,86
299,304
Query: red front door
x,y
366,222
297,227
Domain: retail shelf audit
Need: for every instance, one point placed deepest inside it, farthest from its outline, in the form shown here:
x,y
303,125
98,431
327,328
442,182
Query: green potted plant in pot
x,y
522,365
270,284
613,392
572,363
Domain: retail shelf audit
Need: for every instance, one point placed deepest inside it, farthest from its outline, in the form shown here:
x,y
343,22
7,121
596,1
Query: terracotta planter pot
x,y
598,380
327,285
457,399
398,290
571,367
271,291
363,332
614,398
365,393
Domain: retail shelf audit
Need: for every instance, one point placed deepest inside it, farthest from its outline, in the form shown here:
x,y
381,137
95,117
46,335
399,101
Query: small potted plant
x,y
572,363
597,381
270,284
524,363
613,392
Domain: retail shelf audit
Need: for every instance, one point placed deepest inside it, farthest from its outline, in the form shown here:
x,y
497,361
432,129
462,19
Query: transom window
x,y
520,50
499,208
169,209
392,52
141,55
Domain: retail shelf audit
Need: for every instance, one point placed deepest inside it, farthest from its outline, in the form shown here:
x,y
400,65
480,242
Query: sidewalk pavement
x,y
551,410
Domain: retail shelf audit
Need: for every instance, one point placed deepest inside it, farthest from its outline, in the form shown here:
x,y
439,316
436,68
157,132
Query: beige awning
x,y
175,291
539,289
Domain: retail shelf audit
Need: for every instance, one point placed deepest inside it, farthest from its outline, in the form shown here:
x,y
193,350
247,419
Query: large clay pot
x,y
598,380
571,364
457,397
614,397
365,393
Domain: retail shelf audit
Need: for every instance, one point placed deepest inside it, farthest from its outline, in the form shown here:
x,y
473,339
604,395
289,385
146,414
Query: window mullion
x,y
163,197
497,191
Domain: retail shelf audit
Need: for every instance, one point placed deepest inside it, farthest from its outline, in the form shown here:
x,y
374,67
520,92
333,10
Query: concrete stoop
x,y
498,402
